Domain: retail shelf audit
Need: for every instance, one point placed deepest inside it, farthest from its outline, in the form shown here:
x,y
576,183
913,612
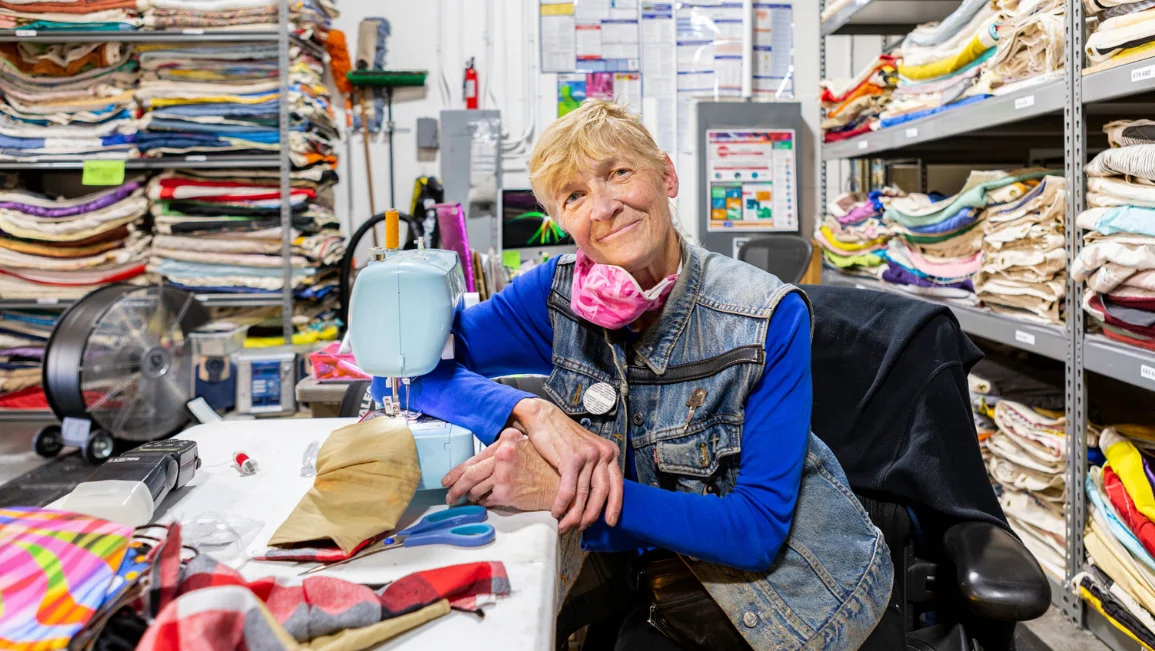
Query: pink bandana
x,y
609,296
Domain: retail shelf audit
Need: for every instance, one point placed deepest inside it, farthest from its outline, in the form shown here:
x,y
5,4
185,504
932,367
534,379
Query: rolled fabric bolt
x,y
246,465
392,230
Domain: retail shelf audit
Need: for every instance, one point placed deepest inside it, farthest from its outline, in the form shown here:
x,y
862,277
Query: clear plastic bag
x,y
224,537
309,459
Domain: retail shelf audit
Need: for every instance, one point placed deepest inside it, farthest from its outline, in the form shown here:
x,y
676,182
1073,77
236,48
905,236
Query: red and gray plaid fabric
x,y
312,554
210,606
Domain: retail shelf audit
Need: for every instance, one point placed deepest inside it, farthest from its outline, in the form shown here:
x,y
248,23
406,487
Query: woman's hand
x,y
514,476
590,480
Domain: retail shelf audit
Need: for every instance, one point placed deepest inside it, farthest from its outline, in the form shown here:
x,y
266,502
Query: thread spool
x,y
392,230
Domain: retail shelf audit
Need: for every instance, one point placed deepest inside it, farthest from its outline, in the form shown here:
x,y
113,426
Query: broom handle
x,y
368,165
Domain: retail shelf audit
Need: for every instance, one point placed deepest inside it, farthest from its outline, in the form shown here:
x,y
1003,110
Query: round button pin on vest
x,y
600,398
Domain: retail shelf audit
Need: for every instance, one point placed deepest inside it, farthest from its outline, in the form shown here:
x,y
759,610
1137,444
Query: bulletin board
x,y
751,180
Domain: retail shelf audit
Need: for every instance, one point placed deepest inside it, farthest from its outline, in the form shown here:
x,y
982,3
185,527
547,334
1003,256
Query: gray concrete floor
x,y
1057,634
16,455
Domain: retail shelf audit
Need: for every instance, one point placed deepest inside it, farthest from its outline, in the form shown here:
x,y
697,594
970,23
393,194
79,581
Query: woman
x,y
685,371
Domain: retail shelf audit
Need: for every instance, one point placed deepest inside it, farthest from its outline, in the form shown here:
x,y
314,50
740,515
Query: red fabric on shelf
x,y
1138,523
25,399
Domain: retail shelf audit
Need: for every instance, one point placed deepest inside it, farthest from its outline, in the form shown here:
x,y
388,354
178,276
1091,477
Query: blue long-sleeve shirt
x,y
511,334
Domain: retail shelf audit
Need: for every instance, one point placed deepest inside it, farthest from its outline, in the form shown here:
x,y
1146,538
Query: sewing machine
x,y
400,315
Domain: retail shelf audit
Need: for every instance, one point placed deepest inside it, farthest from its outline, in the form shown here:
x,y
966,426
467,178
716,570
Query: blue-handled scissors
x,y
462,526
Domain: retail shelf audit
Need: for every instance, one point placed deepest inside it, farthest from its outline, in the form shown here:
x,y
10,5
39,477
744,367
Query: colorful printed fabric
x,y
207,605
56,569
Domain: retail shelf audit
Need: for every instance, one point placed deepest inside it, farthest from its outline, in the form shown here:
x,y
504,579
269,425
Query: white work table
x,y
526,542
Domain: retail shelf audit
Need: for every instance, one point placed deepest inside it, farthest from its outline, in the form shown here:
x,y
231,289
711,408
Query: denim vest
x,y
831,581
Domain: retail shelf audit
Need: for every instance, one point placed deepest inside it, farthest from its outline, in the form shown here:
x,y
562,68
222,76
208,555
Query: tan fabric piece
x,y
366,475
370,636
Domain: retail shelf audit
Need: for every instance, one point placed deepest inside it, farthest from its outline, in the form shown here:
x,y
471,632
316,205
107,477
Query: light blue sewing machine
x,y
400,315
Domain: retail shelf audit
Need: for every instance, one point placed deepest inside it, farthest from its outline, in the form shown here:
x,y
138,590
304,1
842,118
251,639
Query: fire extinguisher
x,y
471,85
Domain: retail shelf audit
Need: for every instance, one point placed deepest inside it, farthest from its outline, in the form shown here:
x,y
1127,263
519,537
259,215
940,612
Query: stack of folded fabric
x,y
1028,460
853,234
1031,47
224,99
942,61
1024,259
23,335
1118,259
937,248
308,19
219,234
1026,454
983,400
103,15
67,100
65,248
1124,32
1119,580
853,108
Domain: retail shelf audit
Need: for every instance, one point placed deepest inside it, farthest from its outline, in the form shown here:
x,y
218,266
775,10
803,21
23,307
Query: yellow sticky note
x,y
511,259
103,172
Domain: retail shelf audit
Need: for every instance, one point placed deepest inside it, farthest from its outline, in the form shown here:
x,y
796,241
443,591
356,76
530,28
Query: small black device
x,y
129,487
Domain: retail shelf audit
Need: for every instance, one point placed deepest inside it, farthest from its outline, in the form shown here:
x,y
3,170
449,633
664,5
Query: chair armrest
x,y
997,576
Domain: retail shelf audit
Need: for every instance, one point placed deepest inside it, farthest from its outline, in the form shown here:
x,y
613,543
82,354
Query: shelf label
x,y
1147,372
1024,102
26,32
47,300
103,172
862,144
1141,74
857,286
912,132
193,31
1024,338
196,159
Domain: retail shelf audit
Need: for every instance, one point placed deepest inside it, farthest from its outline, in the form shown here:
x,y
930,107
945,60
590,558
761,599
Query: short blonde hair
x,y
594,131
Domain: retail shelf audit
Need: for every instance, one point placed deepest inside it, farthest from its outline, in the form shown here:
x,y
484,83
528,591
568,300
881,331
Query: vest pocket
x,y
566,388
697,454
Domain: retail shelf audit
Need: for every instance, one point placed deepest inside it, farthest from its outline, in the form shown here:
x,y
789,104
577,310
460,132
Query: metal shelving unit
x,y
885,16
1046,340
209,300
1125,363
1014,128
1121,82
280,160
983,123
31,416
202,162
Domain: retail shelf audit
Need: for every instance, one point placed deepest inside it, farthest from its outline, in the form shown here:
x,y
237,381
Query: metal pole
x,y
1074,153
286,172
822,200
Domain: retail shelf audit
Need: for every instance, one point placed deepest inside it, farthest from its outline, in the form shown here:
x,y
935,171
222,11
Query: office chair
x,y
785,256
891,401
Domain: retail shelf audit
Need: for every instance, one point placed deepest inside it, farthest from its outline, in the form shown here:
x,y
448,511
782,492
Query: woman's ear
x,y
670,178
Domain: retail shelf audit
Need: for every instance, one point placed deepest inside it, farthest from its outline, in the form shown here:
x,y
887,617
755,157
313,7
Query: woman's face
x,y
617,211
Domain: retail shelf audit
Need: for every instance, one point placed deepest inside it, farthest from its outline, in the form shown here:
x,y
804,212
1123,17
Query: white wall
x,y
502,36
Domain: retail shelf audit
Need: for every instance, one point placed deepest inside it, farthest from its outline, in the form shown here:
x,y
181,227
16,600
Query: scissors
x,y
461,527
